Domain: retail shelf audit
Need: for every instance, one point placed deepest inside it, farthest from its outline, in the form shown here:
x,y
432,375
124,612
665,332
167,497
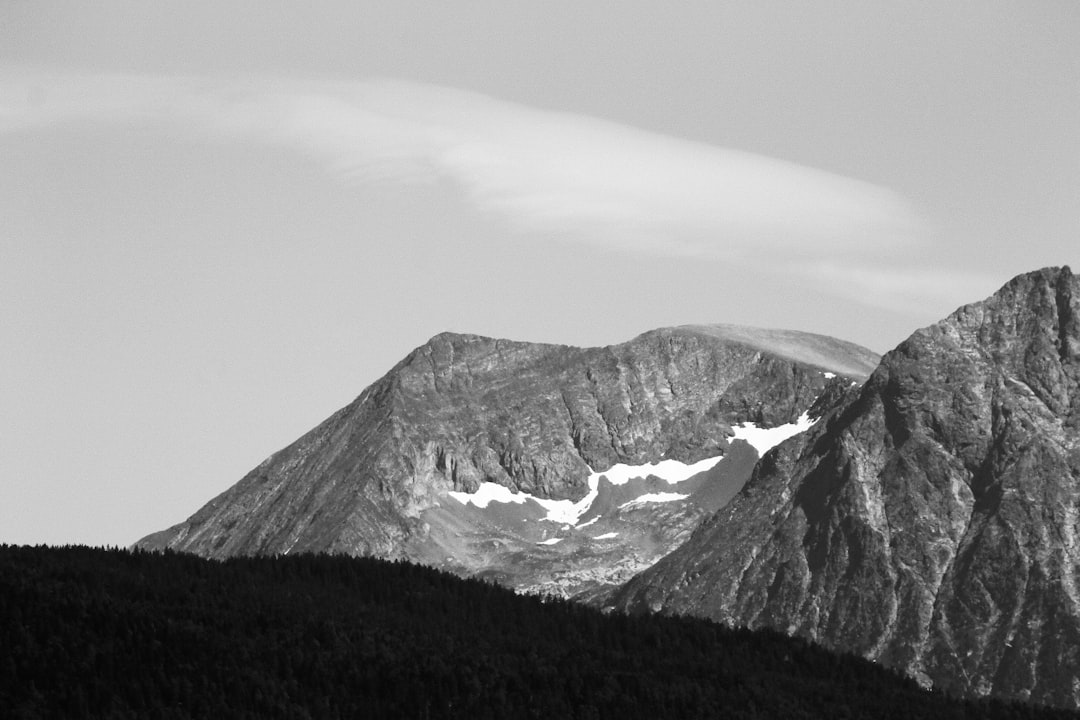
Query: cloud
x,y
545,173
907,289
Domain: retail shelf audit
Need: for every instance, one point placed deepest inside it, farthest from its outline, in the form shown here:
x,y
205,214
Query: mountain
x,y
930,521
95,633
478,455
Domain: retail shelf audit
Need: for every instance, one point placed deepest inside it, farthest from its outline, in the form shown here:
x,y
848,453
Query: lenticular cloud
x,y
571,176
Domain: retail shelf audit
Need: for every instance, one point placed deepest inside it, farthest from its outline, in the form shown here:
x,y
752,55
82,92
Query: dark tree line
x,y
112,633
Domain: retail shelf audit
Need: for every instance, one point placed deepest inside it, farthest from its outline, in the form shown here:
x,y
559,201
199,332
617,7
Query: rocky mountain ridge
x,y
930,520
463,412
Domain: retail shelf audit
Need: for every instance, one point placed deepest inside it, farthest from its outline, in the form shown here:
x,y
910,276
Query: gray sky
x,y
220,221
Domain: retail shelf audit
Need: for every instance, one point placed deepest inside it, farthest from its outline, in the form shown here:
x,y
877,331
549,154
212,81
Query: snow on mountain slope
x,y
472,450
765,439
566,512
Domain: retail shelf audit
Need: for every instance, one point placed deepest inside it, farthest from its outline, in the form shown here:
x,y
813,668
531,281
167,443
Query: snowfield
x,y
764,439
487,493
670,471
567,512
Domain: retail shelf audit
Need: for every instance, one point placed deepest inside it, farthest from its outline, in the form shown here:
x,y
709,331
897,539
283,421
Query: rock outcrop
x,y
929,522
464,410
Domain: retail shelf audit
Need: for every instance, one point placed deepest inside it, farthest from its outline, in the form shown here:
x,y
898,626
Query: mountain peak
x,y
526,423
929,522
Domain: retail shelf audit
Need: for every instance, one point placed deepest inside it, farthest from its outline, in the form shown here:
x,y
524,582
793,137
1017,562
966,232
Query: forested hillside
x,y
112,633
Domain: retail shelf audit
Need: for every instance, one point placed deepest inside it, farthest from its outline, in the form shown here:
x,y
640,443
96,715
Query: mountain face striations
x,y
931,520
479,454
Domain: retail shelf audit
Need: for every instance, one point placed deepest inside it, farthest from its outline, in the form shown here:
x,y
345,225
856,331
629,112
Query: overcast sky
x,y
220,221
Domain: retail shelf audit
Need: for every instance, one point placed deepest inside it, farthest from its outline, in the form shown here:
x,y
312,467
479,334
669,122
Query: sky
x,y
220,221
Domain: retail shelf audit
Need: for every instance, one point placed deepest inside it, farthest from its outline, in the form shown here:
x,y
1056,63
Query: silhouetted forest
x,y
90,632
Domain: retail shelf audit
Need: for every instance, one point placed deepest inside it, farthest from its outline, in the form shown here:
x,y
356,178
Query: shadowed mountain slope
x,y
930,521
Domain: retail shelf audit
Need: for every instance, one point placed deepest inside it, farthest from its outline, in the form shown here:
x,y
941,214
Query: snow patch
x,y
564,512
487,493
568,512
606,536
764,439
587,524
654,497
550,541
670,471
829,375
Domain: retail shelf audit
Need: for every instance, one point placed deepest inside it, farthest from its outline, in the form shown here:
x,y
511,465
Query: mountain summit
x,y
929,522
492,456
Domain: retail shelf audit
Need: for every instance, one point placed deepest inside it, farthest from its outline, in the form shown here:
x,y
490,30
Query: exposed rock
x,y
930,522
463,410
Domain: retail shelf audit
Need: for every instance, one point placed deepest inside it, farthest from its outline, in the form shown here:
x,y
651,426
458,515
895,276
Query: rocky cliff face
x,y
463,411
930,521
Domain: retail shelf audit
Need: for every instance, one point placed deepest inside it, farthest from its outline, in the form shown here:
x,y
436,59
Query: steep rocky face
x,y
464,411
930,521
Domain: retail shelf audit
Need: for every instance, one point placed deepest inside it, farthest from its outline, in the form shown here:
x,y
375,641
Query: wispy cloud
x,y
570,176
902,288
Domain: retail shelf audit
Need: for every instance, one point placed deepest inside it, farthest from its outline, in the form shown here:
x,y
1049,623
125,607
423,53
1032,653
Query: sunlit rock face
x,y
931,520
389,474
